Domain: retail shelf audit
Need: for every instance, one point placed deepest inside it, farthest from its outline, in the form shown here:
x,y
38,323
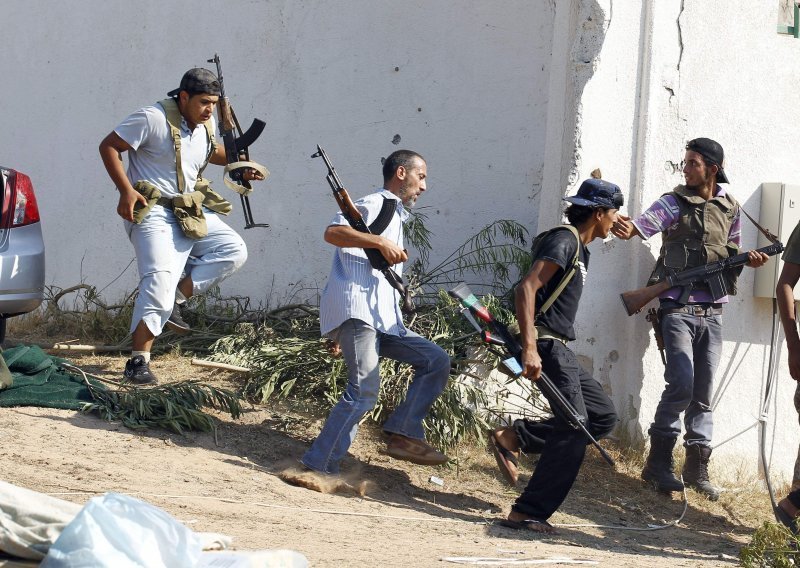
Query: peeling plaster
x,y
585,56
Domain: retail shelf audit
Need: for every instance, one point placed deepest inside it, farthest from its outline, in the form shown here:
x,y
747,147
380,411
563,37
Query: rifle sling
x,y
568,274
377,227
381,222
766,232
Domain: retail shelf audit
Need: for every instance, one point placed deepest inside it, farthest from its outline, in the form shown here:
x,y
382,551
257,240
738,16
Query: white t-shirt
x,y
152,157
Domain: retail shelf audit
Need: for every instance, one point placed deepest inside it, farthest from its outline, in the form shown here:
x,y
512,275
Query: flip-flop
x,y
785,519
506,461
532,525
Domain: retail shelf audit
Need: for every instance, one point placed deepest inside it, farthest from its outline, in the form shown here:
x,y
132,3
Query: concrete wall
x,y
668,72
464,84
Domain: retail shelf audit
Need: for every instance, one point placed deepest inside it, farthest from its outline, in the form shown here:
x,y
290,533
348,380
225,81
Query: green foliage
x,y
289,361
772,546
176,407
497,251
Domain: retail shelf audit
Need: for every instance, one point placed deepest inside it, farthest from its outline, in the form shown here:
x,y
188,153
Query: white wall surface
x,y
671,71
462,83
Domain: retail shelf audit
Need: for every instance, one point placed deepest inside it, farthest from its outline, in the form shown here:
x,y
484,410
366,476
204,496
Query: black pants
x,y
564,446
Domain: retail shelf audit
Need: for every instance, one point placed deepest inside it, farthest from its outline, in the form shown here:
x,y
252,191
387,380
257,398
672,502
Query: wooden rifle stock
x,y
224,114
635,300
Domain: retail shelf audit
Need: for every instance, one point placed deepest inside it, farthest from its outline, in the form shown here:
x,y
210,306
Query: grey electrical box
x,y
780,213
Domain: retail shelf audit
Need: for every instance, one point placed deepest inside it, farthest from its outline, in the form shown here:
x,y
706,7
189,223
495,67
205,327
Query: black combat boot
x,y
658,469
695,471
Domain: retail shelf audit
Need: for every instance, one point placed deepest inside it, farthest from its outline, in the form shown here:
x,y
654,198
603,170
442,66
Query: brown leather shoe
x,y
414,451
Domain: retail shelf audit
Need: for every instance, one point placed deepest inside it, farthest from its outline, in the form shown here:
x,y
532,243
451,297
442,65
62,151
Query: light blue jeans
x,y
362,345
164,254
692,345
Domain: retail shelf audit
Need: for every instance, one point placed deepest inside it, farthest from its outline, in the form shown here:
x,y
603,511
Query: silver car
x,y
21,248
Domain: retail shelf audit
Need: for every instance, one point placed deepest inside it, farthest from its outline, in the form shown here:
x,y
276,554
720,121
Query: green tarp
x,y
39,380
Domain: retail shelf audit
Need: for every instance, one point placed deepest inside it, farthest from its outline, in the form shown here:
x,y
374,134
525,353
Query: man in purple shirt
x,y
699,223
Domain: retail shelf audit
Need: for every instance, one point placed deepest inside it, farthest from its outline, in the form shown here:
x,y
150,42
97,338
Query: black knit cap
x,y
712,152
198,80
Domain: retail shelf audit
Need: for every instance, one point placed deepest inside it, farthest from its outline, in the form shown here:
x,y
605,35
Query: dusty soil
x,y
228,483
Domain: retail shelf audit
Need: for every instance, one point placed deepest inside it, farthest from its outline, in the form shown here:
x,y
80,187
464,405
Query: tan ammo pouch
x,y
211,199
543,332
151,193
188,209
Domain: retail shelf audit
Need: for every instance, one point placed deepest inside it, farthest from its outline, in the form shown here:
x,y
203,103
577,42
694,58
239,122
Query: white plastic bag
x,y
118,531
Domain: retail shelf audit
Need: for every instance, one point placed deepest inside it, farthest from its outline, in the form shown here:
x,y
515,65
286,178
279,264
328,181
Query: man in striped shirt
x,y
699,223
359,312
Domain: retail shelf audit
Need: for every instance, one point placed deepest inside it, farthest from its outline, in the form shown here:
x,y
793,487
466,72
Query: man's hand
x,y
756,259
623,228
252,175
531,363
391,252
127,200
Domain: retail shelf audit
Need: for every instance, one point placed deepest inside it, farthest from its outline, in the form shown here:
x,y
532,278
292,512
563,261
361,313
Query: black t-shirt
x,y
559,247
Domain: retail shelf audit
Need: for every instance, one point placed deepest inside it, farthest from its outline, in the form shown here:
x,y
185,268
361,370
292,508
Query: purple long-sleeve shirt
x,y
663,216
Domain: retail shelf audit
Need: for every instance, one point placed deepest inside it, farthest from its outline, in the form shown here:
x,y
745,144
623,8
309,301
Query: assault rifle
x,y
236,153
501,336
710,274
356,221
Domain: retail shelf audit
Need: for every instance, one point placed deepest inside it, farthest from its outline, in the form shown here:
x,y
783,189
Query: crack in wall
x,y
680,35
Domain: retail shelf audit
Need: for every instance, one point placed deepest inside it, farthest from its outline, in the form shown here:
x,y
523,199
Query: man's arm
x,y
525,304
219,158
785,296
111,149
347,236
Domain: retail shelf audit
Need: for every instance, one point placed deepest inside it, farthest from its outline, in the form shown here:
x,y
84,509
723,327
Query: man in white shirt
x,y
359,311
173,266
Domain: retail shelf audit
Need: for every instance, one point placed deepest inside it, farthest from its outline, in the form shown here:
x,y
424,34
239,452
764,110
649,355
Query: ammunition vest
x,y
700,237
174,118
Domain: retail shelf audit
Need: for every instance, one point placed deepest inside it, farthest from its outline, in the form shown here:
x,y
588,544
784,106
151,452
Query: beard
x,y
405,197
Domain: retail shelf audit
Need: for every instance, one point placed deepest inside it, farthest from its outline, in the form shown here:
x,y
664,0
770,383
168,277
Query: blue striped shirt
x,y
354,288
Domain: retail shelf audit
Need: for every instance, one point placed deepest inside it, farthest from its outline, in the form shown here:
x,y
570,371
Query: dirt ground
x,y
228,483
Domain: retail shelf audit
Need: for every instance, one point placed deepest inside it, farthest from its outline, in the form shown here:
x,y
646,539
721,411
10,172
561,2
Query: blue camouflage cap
x,y
598,193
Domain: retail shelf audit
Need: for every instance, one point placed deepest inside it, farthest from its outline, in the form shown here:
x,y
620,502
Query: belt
x,y
543,332
694,310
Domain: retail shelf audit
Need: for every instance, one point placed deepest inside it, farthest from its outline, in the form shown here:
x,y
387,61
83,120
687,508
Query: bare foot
x,y
507,437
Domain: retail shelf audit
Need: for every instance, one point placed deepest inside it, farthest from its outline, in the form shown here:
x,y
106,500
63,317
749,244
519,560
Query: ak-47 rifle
x,y
356,221
710,274
236,153
501,336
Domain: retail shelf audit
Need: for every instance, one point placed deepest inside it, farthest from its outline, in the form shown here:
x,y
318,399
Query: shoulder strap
x,y
378,226
569,271
174,118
